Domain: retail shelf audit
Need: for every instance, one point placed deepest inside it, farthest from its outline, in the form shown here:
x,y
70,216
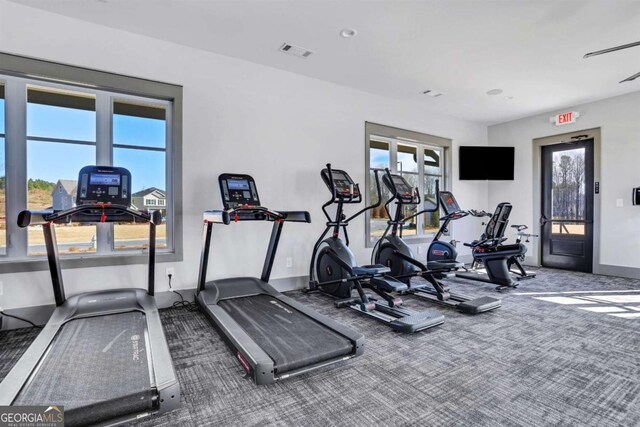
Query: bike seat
x,y
519,227
371,270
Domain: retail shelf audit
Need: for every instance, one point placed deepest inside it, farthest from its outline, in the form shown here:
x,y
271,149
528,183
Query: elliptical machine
x,y
489,252
333,268
391,251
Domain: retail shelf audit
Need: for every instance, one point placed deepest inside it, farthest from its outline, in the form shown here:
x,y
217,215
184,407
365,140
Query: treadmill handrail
x,y
94,213
254,213
106,213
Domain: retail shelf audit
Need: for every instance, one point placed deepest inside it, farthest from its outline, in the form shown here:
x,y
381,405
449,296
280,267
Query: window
x,y
61,139
400,151
54,128
139,144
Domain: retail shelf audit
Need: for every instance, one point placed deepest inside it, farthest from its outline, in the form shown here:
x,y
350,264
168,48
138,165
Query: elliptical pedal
x,y
479,305
417,322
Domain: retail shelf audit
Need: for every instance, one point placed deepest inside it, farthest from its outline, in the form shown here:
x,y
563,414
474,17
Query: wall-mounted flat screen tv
x,y
486,163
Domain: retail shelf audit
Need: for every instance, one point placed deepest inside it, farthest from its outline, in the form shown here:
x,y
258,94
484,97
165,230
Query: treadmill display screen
x,y
104,184
104,179
238,184
238,190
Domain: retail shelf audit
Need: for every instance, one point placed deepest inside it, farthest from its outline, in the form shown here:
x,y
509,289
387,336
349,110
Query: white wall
x,y
280,127
619,120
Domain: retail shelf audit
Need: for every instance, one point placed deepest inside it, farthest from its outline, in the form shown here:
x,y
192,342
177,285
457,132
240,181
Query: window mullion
x,y
16,165
169,205
420,162
393,156
104,156
393,162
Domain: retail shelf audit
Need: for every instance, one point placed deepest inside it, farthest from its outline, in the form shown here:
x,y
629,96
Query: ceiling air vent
x,y
432,93
295,50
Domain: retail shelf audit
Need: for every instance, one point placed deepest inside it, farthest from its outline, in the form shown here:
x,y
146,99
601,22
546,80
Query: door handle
x,y
543,220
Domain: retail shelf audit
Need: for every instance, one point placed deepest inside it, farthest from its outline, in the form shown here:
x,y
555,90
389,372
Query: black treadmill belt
x,y
97,368
292,339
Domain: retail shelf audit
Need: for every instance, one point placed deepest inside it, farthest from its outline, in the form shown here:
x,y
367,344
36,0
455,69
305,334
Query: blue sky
x,y
380,159
53,161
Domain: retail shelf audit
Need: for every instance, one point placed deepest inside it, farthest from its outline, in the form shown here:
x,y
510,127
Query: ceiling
x,y
531,49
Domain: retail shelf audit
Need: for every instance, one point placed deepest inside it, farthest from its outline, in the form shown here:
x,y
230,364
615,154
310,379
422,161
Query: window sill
x,y
79,261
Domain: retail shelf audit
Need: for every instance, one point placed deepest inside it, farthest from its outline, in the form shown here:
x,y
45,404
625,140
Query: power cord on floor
x,y
21,319
182,304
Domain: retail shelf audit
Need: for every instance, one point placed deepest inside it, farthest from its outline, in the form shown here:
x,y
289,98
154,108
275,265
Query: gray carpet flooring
x,y
536,361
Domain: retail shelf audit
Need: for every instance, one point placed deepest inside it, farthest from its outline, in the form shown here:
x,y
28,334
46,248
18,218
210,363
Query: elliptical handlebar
x,y
479,214
372,206
455,215
416,199
436,208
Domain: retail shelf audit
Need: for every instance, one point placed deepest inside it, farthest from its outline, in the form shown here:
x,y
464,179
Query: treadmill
x,y
102,355
273,336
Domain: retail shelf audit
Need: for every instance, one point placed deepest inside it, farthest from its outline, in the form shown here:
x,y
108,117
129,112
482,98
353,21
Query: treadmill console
x,y
104,184
344,185
449,203
403,190
238,190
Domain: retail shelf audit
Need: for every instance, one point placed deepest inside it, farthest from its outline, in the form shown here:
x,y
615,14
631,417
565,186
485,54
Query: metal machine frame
x,y
254,359
164,381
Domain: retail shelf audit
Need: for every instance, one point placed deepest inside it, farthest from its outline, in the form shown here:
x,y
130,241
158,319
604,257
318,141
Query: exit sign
x,y
565,118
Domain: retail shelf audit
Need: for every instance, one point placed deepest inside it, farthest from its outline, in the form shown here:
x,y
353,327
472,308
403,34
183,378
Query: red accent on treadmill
x,y
244,363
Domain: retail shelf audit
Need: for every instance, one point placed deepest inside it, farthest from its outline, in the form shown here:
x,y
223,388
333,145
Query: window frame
x,y
394,136
16,74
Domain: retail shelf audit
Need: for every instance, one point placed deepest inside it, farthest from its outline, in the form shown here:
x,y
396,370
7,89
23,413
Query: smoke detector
x,y
298,51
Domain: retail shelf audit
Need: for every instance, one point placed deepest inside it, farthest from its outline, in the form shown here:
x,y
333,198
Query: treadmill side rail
x,y
259,361
261,364
165,375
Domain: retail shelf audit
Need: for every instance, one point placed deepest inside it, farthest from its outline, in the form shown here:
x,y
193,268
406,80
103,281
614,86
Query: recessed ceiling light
x,y
432,93
508,97
349,32
494,92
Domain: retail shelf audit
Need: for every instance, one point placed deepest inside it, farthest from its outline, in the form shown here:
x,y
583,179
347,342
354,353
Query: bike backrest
x,y
497,225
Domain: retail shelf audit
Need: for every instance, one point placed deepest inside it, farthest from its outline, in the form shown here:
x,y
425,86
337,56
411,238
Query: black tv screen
x,y
486,163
